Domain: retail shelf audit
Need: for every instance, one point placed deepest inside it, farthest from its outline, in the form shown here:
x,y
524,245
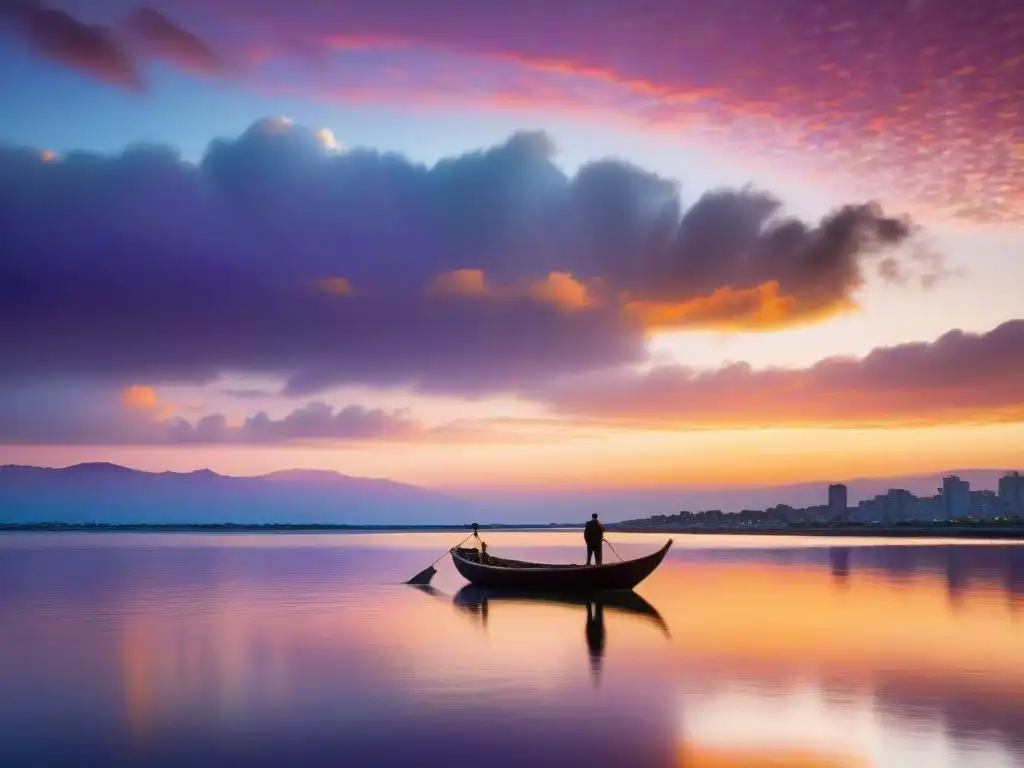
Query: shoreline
x,y
921,532
265,528
958,532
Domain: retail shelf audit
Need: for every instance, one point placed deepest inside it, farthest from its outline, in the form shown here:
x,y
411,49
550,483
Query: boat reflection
x,y
427,590
478,601
595,638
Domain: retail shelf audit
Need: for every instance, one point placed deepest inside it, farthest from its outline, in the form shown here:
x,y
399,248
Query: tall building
x,y
986,504
956,497
931,508
837,501
898,505
1011,492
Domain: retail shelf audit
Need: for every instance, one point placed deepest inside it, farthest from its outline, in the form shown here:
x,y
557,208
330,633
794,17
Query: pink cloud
x,y
960,378
922,102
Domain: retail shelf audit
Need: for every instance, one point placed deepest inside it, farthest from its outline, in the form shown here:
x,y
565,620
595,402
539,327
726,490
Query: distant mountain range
x,y
108,493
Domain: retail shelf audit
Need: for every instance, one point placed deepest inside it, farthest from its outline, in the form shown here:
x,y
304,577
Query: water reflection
x,y
595,638
177,650
839,560
478,601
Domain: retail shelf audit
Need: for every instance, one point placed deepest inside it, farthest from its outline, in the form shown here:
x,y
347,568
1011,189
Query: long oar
x,y
613,549
424,576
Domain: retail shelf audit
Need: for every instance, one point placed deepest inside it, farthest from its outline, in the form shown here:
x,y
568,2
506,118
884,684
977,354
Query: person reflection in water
x,y
595,637
593,534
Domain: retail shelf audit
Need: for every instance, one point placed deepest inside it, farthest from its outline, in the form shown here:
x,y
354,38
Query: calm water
x,y
253,649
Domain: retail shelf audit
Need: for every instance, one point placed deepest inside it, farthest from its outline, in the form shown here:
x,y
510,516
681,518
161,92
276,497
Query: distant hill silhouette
x,y
109,493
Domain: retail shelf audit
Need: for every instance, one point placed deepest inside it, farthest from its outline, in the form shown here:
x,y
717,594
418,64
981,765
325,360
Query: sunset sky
x,y
522,245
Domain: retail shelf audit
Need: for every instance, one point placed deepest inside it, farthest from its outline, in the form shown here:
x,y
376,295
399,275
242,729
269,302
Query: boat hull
x,y
540,577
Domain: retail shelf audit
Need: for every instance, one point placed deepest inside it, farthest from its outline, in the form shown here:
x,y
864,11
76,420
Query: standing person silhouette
x,y
593,534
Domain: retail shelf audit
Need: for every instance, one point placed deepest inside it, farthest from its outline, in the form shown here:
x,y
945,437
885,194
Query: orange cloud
x,y
339,286
139,397
696,756
460,282
559,289
145,399
762,308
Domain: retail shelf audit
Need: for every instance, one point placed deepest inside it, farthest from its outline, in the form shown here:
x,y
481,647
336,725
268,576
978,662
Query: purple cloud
x,y
247,393
277,255
60,37
66,414
159,36
315,422
69,414
958,378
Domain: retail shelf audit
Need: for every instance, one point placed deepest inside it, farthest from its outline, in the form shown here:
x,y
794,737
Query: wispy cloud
x,y
60,37
158,35
924,101
139,415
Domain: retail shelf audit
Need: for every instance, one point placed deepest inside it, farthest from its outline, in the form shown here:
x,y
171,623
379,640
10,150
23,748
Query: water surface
x,y
304,649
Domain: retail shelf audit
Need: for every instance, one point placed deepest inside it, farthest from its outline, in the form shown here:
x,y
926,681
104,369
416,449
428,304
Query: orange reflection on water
x,y
762,619
865,625
138,681
816,661
692,756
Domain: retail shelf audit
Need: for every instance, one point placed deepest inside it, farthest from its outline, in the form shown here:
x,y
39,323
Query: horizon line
x,y
526,488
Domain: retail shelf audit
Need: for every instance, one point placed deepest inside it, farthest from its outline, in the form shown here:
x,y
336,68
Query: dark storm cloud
x,y
277,255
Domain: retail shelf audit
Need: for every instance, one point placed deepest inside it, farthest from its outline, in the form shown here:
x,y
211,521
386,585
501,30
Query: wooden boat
x,y
502,573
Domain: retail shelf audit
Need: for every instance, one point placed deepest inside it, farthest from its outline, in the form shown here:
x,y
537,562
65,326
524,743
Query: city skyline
x,y
954,501
439,248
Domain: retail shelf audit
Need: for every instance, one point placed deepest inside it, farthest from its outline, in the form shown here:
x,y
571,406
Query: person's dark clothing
x,y
593,535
